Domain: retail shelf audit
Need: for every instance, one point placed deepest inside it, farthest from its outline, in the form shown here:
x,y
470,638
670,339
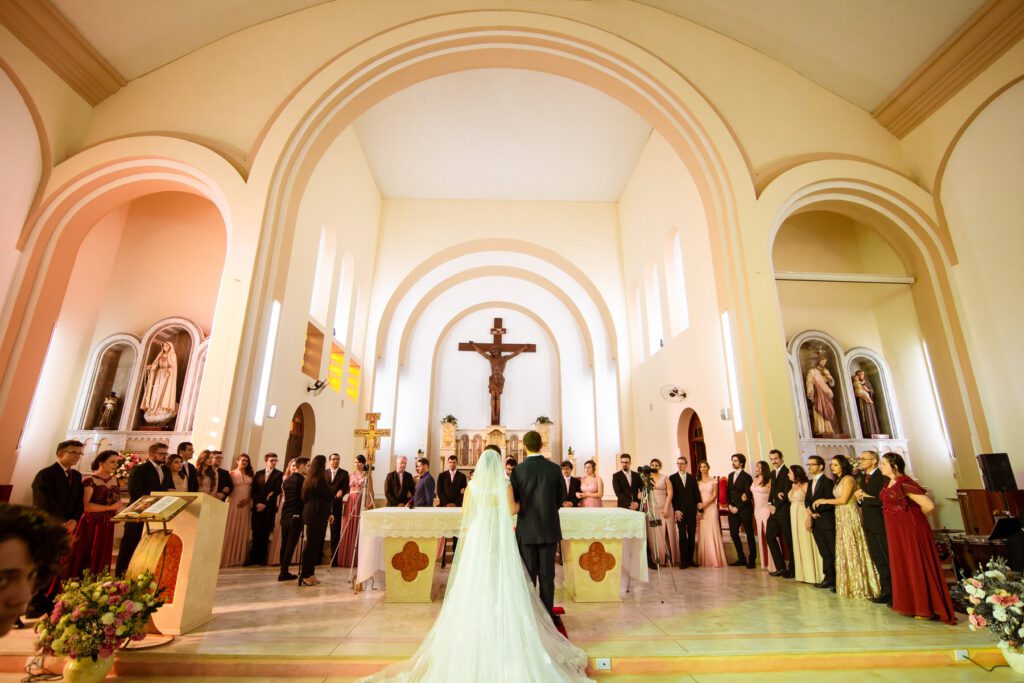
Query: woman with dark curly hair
x,y
31,545
93,545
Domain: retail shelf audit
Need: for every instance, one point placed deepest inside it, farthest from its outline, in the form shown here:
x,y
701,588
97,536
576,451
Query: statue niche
x,y
110,383
823,394
872,402
163,378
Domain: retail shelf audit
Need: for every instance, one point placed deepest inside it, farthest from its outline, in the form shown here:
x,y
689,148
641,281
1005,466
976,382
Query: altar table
x,y
598,545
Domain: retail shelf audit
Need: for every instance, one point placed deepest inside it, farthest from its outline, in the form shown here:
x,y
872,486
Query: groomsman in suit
x,y
398,485
822,521
423,496
266,495
685,500
224,484
451,485
778,531
291,517
145,478
185,450
626,484
572,486
871,484
338,480
57,491
741,511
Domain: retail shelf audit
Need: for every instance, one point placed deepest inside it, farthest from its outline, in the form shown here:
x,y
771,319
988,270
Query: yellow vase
x,y
87,670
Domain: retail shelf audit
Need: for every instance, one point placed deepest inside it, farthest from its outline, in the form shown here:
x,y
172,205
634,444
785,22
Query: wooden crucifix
x,y
497,354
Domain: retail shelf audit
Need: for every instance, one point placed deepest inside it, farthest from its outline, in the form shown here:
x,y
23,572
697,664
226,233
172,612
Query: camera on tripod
x,y
645,470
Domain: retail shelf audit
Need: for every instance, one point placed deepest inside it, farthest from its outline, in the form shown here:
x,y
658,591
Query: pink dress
x,y
589,485
239,525
710,550
347,550
667,534
761,514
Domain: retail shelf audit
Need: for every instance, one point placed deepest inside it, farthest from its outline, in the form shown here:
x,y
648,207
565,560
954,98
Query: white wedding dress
x,y
492,625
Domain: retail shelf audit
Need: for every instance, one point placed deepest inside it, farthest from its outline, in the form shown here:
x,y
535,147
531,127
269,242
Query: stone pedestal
x,y
409,568
593,569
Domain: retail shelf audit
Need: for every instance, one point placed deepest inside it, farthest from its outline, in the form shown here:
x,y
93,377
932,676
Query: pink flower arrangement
x,y
126,461
992,599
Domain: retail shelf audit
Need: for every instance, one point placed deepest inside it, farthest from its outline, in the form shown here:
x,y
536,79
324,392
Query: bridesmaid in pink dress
x,y
762,491
239,525
710,550
591,486
354,506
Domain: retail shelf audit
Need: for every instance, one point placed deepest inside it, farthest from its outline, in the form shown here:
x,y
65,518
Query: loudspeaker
x,y
997,472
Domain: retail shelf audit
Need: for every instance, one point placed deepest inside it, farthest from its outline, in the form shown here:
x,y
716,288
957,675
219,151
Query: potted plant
x,y
448,426
994,601
450,420
543,424
92,617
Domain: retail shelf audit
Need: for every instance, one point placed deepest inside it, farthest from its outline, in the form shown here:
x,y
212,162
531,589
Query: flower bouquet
x,y
993,601
95,615
126,461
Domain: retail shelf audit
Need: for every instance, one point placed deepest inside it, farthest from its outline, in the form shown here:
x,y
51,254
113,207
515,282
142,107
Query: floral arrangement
x,y
126,460
543,420
993,600
95,615
450,419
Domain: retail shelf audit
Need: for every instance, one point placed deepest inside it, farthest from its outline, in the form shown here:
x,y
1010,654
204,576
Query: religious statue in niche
x,y
160,392
498,354
107,411
866,406
819,392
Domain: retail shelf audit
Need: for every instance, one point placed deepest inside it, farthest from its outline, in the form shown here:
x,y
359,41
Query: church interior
x,y
681,217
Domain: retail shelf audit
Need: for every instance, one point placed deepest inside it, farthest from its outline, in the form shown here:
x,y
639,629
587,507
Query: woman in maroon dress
x,y
93,544
918,587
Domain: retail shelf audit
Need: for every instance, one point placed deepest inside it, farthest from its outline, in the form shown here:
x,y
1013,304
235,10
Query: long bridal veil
x,y
492,626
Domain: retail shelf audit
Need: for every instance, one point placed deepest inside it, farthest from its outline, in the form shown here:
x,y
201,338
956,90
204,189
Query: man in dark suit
x,y
538,488
685,502
626,484
451,485
778,531
571,485
822,520
224,484
266,496
144,479
741,511
57,491
423,495
185,450
398,485
872,483
337,478
291,517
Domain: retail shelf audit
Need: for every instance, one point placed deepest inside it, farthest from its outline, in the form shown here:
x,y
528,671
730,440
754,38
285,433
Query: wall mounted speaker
x,y
997,472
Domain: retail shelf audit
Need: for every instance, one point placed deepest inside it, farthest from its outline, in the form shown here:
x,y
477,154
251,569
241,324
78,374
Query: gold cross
x,y
371,437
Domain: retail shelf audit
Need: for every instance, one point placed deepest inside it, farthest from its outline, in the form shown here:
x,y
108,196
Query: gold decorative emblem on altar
x,y
410,562
597,561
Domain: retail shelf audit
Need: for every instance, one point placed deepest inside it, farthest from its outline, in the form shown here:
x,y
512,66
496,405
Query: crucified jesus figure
x,y
498,354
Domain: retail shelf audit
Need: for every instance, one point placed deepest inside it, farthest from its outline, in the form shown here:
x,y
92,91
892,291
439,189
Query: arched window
x,y
320,298
655,321
343,301
678,309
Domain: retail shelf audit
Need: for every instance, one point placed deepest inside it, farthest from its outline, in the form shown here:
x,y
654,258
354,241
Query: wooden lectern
x,y
185,560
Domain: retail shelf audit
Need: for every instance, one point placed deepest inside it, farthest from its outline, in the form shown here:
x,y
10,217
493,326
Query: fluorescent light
x,y
730,371
268,358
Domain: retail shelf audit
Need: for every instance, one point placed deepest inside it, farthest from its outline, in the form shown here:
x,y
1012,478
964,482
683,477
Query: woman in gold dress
x,y
856,576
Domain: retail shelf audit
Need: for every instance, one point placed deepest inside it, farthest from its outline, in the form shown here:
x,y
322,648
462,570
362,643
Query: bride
x,y
492,626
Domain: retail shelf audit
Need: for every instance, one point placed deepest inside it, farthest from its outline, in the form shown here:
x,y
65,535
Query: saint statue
x,y
820,394
110,404
866,410
160,393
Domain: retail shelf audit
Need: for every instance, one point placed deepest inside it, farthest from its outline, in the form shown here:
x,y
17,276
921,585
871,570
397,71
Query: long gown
x,y
93,544
348,554
667,534
806,559
590,487
239,525
710,549
856,576
762,512
918,587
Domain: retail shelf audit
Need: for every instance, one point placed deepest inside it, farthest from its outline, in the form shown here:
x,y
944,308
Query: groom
x,y
538,488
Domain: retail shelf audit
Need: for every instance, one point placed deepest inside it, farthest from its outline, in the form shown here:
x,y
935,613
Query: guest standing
x,y
761,492
805,557
206,474
662,539
855,574
572,486
510,464
423,495
355,504
185,452
317,497
291,517
225,483
779,531
918,587
626,484
741,511
710,549
266,495
451,485
275,536
685,501
338,479
144,479
822,520
591,487
238,530
872,483
399,485
179,475
93,544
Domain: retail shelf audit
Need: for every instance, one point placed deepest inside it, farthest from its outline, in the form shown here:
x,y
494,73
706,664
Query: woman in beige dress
x,y
806,559
710,549
239,525
761,490
667,535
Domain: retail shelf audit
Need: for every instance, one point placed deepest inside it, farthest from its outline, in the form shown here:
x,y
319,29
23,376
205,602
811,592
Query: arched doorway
x,y
301,433
690,439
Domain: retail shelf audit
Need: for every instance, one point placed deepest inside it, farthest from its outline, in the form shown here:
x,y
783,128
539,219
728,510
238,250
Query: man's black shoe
x,y
738,563
777,572
287,577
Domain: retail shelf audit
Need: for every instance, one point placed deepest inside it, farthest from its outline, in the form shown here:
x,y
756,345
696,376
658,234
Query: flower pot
x,y
87,669
1014,656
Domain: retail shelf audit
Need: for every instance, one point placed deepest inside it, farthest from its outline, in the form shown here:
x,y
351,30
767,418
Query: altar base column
x,y
409,568
593,572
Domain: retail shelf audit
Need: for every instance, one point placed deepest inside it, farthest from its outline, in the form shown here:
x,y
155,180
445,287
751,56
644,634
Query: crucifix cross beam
x,y
498,354
371,436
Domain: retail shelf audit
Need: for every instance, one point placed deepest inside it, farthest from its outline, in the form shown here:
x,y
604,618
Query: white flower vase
x,y
1014,656
87,669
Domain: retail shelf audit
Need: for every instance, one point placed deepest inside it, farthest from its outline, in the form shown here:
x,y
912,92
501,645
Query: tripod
x,y
347,520
655,522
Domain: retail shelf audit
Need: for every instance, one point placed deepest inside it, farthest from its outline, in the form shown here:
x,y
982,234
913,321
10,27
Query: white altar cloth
x,y
605,523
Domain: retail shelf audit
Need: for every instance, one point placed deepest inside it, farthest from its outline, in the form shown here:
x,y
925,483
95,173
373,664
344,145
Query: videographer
x,y
626,484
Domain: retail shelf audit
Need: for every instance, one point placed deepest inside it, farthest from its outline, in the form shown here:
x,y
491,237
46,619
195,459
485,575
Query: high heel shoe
x,y
311,581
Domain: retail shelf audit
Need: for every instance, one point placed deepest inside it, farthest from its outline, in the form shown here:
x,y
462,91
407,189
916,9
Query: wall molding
x,y
54,40
983,38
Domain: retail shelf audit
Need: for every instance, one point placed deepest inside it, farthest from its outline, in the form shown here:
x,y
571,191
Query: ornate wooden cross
x,y
371,437
497,354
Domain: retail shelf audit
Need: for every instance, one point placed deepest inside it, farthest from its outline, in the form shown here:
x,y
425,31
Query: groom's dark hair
x,y
532,441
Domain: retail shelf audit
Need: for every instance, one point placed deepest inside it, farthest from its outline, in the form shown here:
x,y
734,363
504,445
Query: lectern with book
x,y
182,547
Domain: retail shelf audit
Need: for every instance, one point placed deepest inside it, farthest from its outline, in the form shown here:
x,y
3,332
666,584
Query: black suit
x,y
823,527
316,509
874,527
779,531
739,497
224,484
627,490
338,482
539,489
143,480
266,490
58,493
192,475
291,519
399,490
451,490
571,490
685,499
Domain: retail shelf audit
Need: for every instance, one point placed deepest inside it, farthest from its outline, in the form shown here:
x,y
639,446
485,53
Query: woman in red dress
x,y
93,544
918,587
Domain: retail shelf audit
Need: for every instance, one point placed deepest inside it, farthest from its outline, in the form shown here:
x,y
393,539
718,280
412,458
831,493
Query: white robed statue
x,y
160,393
492,626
